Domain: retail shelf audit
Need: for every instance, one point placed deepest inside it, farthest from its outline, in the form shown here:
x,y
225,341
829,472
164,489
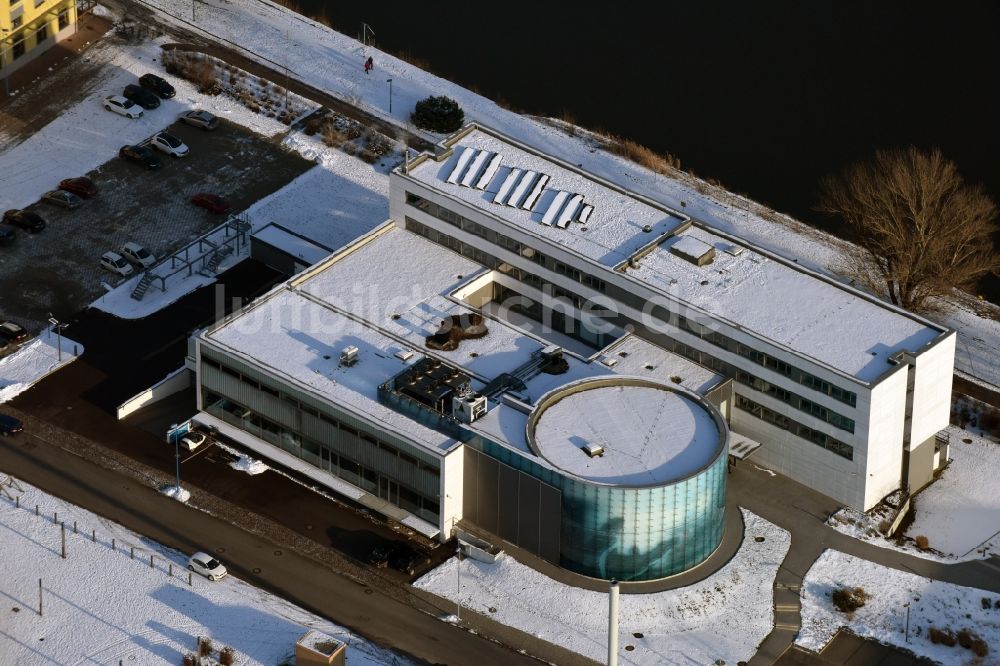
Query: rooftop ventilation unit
x,y
404,355
593,450
584,214
691,249
609,361
569,211
555,206
521,189
491,170
472,173
349,355
734,250
467,408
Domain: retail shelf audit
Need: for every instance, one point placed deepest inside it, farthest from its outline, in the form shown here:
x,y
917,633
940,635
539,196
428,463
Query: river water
x,y
766,97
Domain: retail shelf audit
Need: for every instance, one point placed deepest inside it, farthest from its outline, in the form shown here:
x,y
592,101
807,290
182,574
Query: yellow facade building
x,y
29,27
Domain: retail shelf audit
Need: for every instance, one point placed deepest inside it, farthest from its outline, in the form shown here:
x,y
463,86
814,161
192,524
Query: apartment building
x,y
29,27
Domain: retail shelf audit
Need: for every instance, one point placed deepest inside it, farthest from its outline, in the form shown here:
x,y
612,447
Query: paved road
x,y
299,579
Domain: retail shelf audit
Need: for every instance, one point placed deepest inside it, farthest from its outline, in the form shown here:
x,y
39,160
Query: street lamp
x,y
907,630
389,81
58,327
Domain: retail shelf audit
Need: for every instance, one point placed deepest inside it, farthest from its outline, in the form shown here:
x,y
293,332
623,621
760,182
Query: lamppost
x,y
458,571
177,460
58,327
389,81
907,630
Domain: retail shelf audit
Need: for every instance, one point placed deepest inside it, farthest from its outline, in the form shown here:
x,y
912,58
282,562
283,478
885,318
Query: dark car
x,y
81,187
11,332
25,219
141,96
379,557
406,559
141,155
9,425
210,202
154,83
7,236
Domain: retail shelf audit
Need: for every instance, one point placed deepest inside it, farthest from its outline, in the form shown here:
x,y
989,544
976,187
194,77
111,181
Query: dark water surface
x,y
767,97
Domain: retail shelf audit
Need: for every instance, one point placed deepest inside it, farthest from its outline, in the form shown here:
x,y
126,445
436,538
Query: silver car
x,y
169,144
207,566
202,119
62,198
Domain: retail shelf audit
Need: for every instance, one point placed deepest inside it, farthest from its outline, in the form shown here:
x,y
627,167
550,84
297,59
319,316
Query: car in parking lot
x,y
62,198
137,254
9,425
81,187
202,119
169,144
7,236
379,557
141,96
122,106
140,155
213,203
407,559
207,566
12,333
156,84
114,262
193,440
31,222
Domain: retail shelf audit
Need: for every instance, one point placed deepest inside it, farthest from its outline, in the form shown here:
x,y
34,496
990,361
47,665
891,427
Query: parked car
x,y
122,106
7,236
116,263
25,219
62,198
193,440
202,119
137,254
157,85
211,202
141,96
9,425
379,557
407,559
81,187
169,144
207,566
11,332
140,155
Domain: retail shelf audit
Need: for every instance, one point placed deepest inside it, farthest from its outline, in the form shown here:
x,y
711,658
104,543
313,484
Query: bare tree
x,y
920,230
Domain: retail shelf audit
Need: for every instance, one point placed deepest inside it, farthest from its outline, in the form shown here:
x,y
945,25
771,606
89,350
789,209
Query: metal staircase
x,y
143,285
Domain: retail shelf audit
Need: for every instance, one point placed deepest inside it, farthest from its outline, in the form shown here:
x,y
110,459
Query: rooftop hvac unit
x,y
469,407
349,355
404,355
552,351
593,450
609,361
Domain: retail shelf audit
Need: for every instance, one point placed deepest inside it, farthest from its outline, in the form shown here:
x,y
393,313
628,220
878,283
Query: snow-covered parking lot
x,y
101,606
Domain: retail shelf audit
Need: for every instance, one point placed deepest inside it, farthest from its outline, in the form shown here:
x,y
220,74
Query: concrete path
x,y
803,512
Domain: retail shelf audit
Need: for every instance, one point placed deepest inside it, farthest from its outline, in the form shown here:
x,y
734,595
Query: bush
x,y
884,526
942,636
922,542
438,114
849,599
227,656
204,646
189,660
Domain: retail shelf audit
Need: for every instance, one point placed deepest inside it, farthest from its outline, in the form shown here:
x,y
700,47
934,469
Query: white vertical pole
x,y
613,624
458,575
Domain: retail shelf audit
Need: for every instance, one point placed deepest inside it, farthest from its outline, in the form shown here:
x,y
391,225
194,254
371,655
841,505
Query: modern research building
x,y
531,350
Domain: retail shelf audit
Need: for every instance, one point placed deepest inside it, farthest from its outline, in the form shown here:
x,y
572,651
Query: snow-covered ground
x,y
959,513
677,626
883,617
100,606
36,359
243,462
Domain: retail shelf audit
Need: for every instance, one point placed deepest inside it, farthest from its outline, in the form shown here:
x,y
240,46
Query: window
x,y
64,19
815,436
18,49
42,33
16,22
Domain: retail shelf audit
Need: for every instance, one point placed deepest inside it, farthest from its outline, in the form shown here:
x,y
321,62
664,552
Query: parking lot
x,y
58,271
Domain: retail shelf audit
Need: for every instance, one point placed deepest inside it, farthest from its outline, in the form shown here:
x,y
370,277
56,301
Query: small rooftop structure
x,y
318,649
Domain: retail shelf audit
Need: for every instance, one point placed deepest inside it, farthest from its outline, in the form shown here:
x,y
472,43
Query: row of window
x,y
19,47
785,423
343,427
326,459
797,401
708,334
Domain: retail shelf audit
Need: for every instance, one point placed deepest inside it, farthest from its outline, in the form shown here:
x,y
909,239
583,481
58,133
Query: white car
x,y
137,254
193,440
169,144
122,106
207,566
116,263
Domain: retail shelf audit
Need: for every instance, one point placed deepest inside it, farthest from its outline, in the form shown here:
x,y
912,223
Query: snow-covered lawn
x,y
883,617
725,616
959,513
100,606
36,359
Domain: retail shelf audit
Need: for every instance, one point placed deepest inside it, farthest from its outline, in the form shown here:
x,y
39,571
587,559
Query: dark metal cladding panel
x,y
508,519
470,484
550,514
528,508
489,473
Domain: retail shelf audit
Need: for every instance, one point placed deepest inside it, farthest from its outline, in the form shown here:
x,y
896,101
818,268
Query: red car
x,y
81,187
211,202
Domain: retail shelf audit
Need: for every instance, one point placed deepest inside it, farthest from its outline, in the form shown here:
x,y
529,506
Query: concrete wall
x,y
175,382
452,486
933,373
883,434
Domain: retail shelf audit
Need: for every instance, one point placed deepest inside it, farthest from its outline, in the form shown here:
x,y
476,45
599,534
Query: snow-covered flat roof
x,y
811,316
646,435
614,230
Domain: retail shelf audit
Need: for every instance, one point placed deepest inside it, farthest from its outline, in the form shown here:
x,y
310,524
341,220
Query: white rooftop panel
x,y
690,246
584,214
555,206
460,164
517,196
489,172
507,186
529,201
472,173
569,211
